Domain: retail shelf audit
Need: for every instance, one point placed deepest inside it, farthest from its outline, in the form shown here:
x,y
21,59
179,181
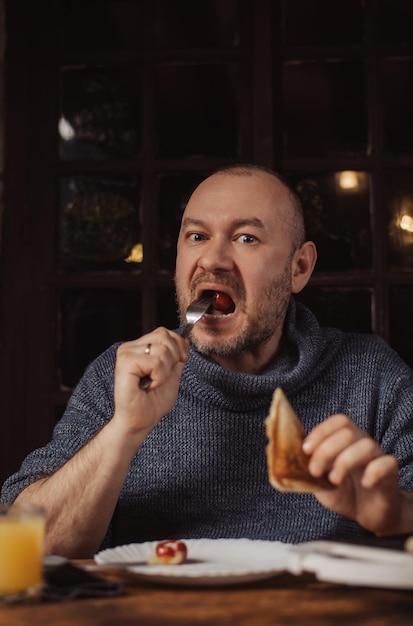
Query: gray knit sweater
x,y
202,470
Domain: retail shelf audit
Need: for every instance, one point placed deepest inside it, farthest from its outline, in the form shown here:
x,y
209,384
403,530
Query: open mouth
x,y
222,304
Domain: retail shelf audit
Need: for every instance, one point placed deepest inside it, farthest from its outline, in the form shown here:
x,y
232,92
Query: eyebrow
x,y
253,221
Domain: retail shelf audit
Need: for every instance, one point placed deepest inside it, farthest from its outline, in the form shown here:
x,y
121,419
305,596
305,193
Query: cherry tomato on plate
x,y
169,552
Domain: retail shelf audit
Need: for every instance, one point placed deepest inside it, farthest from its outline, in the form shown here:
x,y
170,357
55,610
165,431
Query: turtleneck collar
x,y
306,351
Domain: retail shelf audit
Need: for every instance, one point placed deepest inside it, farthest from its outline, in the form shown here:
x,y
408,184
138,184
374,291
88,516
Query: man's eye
x,y
196,237
247,239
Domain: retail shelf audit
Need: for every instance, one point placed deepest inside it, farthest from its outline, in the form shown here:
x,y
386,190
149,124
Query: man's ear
x,y
302,266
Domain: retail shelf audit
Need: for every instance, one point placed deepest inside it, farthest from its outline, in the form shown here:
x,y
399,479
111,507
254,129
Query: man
x,y
186,458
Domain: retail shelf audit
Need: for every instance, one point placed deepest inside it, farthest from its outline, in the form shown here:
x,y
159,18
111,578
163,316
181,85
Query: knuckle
x,y
122,353
342,420
370,447
163,333
392,462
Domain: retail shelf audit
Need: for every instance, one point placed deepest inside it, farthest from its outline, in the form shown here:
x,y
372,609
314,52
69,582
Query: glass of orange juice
x,y
22,529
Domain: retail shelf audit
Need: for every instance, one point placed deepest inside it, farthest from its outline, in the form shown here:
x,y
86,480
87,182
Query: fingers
x,y
365,478
327,428
159,342
357,455
337,447
382,469
154,355
160,355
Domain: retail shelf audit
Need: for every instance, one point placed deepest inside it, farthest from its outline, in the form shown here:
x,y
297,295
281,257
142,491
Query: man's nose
x,y
216,255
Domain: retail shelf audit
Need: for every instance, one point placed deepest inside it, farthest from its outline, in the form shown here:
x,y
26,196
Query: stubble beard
x,y
260,326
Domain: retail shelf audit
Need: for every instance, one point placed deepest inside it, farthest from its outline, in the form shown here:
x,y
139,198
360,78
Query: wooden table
x,y
281,600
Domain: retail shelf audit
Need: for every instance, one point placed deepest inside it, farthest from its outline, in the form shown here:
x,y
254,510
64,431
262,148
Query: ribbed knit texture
x,y
202,470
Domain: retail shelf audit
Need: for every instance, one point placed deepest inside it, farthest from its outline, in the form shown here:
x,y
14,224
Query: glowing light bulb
x,y
66,131
348,180
406,223
136,254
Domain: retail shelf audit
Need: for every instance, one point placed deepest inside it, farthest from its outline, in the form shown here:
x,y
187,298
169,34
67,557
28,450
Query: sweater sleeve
x,y
89,408
388,382
395,434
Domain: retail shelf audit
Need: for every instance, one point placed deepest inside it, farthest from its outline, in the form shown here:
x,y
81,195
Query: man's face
x,y
233,239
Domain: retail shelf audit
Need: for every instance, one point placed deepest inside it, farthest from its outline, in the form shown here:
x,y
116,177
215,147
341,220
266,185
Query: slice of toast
x,y
286,460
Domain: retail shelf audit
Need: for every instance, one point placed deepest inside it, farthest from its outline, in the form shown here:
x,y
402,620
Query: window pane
x,y
174,192
400,314
345,308
99,227
198,110
396,17
200,24
100,115
102,25
400,211
90,321
322,21
324,108
397,105
337,215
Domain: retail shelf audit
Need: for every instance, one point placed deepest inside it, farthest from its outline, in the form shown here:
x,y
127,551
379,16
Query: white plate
x,y
210,561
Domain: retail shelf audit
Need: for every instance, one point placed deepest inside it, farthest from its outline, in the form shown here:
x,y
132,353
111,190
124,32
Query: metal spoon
x,y
193,314
197,309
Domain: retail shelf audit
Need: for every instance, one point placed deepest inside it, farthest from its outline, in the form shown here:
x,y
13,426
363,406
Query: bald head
x,y
290,210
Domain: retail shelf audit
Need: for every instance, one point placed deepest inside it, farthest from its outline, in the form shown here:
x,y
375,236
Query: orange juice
x,y
21,551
